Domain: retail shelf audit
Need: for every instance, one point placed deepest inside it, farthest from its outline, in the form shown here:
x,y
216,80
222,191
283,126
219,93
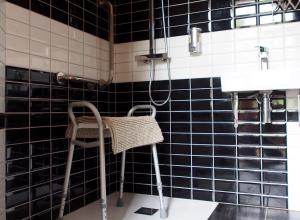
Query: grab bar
x,y
62,76
111,39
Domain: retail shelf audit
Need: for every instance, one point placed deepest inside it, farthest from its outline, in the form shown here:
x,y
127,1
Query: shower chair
x,y
102,133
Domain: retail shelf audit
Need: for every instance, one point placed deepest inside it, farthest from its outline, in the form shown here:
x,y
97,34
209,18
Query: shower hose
x,y
152,65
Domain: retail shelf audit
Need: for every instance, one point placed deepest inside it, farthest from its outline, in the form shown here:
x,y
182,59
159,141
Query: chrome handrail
x,y
62,76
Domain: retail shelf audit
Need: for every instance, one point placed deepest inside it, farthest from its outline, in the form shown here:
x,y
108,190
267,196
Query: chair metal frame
x,y
100,143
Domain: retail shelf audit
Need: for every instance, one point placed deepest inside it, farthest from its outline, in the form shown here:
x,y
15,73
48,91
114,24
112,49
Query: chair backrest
x,y
139,107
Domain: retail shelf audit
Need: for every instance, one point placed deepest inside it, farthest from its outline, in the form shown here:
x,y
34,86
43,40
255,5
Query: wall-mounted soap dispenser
x,y
195,41
264,57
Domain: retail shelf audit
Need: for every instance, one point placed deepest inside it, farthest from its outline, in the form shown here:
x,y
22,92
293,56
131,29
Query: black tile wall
x,y
203,156
132,16
36,150
85,15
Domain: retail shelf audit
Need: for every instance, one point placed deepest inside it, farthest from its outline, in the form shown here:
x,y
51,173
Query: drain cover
x,y
146,211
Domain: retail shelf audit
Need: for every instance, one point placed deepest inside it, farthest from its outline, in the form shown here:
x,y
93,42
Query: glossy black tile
x,y
181,193
202,195
75,22
275,202
222,25
17,182
16,74
275,190
225,186
224,151
39,77
16,120
17,166
19,212
225,174
222,4
202,172
278,177
59,15
202,184
40,205
38,91
225,162
252,188
16,90
221,14
201,83
40,106
17,136
226,212
24,3
40,7
201,94
225,197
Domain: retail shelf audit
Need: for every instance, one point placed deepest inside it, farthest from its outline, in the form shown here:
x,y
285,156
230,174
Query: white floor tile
x,y
179,209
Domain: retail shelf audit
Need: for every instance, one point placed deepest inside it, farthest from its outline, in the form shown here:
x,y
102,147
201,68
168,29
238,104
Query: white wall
x,y
223,52
37,42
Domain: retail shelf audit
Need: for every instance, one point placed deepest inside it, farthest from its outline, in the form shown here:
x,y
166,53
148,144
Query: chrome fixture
x,y
195,41
61,77
147,58
111,41
266,108
264,57
154,57
235,108
298,105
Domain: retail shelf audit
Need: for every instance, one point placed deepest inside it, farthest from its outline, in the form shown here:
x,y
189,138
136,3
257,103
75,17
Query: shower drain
x,y
146,211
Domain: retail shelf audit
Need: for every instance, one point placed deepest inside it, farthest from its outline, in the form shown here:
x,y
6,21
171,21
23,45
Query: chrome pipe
x,y
266,108
62,76
235,108
111,39
151,27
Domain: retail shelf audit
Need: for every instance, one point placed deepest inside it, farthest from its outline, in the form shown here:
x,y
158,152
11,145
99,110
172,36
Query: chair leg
x,y
163,211
103,200
66,181
120,199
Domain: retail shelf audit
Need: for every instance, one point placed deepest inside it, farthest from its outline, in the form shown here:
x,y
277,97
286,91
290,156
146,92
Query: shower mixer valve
x,y
147,58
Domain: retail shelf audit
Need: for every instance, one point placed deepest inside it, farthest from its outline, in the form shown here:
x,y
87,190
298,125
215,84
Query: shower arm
x,y
151,28
111,39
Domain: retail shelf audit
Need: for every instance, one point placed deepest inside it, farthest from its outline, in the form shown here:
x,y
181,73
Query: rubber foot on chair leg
x,y
120,203
163,213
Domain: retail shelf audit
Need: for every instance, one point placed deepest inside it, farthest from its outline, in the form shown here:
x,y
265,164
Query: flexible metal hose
x,y
152,64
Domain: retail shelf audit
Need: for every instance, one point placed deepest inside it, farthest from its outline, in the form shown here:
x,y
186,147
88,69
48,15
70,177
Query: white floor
x,y
178,209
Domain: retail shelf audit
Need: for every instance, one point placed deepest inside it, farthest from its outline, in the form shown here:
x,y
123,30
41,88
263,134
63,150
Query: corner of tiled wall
x,y
2,110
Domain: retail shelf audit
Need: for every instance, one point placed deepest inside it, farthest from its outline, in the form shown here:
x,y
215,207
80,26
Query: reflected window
x,y
245,22
268,19
245,10
265,8
243,2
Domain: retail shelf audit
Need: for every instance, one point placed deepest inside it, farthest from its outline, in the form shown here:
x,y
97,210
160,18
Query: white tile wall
x,y
223,52
37,42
